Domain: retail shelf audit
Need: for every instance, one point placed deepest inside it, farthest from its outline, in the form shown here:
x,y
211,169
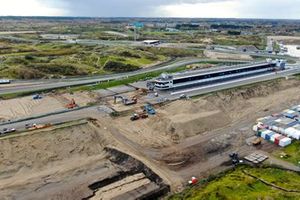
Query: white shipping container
x,y
285,142
293,133
278,129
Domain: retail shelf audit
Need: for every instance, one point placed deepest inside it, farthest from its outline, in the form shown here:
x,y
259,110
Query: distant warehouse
x,y
151,42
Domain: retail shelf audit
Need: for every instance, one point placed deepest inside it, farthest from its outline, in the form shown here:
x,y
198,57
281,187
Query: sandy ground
x,y
26,106
293,51
194,137
186,138
173,122
62,158
17,32
217,55
294,40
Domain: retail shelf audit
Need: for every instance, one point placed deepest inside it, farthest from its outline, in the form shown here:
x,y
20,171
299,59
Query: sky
x,y
267,9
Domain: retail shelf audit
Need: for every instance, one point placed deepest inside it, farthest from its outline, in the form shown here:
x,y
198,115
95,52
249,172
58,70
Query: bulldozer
x,y
72,104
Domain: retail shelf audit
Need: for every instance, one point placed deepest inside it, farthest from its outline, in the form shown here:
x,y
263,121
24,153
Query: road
x,y
39,85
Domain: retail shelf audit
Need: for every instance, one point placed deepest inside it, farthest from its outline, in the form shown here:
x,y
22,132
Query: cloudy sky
x,y
286,9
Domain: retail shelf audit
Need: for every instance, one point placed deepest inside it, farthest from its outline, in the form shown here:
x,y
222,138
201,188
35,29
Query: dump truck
x,y
137,116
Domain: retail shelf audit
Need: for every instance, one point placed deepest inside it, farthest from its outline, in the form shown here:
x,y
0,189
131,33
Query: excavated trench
x,y
130,166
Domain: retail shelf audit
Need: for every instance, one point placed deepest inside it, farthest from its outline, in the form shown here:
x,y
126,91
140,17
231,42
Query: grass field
x,y
55,60
237,185
290,153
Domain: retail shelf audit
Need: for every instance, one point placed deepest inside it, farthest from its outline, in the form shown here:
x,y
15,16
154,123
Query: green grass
x,y
236,185
47,60
132,79
290,153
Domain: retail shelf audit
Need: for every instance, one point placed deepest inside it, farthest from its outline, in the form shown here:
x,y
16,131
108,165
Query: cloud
x,y
29,8
124,8
155,8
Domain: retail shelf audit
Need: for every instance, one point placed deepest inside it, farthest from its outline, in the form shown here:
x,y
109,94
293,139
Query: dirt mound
x,y
188,118
248,99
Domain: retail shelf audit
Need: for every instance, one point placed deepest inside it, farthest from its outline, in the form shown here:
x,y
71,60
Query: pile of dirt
x,y
250,99
189,118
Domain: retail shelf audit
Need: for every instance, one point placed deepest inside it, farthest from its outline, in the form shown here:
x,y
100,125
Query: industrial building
x,y
221,74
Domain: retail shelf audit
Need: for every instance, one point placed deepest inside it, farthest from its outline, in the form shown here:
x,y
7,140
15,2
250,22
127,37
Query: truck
x,y
137,116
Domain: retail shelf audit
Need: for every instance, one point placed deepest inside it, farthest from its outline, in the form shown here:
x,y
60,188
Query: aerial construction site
x,y
176,128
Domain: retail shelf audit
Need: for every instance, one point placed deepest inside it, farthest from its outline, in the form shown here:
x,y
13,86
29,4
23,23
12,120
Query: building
x,y
222,74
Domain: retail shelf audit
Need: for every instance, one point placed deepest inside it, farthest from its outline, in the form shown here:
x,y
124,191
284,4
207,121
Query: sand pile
x,y
189,118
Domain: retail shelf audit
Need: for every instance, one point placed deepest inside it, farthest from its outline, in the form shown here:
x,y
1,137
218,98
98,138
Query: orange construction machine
x,y
72,104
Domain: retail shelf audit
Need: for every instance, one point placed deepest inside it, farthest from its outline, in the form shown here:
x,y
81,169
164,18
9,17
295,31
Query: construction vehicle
x,y
72,104
126,101
257,141
28,126
36,97
143,91
39,126
149,109
234,158
137,116
151,86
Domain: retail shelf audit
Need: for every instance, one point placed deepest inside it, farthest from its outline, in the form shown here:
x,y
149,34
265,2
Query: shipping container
x,y
277,140
265,133
274,137
285,142
269,135
293,133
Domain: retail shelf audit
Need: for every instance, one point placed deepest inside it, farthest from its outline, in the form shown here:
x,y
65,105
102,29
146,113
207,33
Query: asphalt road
x,y
39,85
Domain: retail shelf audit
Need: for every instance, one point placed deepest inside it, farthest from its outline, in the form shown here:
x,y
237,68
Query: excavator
x,y
72,104
126,101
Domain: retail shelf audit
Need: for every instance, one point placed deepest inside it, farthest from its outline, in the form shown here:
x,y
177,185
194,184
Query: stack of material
x,y
256,158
